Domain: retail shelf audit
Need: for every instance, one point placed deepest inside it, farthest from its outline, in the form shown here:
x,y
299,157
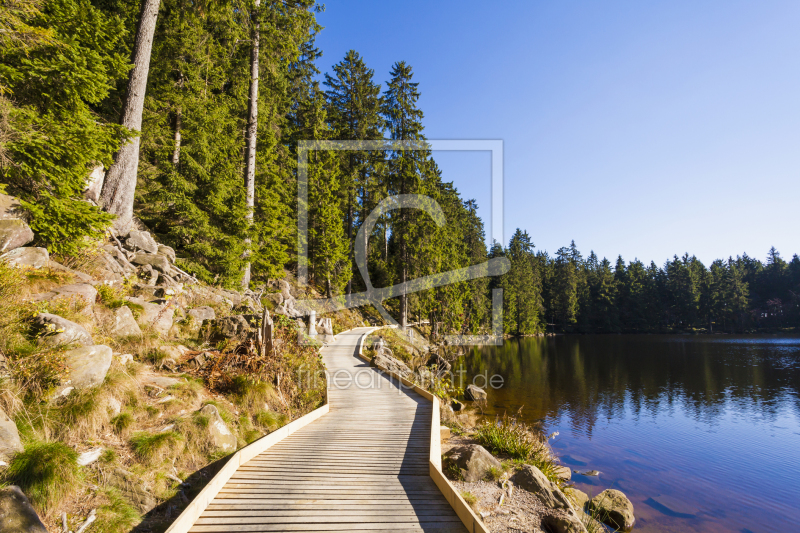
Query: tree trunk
x,y
252,131
120,183
176,153
350,241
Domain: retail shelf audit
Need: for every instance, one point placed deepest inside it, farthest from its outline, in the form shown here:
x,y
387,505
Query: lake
x,y
701,432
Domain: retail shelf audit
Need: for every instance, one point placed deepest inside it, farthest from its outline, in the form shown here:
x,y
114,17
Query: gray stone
x,y
158,262
568,523
133,488
141,240
56,331
124,323
387,363
94,184
563,473
9,438
114,406
125,358
13,234
233,327
89,457
275,298
220,434
578,497
162,382
16,513
167,252
474,393
281,285
81,291
10,207
440,366
159,317
88,366
613,508
531,479
472,460
199,314
27,257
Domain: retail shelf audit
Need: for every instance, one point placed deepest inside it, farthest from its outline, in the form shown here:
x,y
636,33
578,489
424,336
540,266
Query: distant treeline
x,y
569,293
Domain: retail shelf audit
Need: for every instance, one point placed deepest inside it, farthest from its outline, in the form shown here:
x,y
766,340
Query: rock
x,y
568,523
472,460
276,298
563,473
13,234
148,276
388,363
531,479
167,252
233,327
141,240
87,458
474,393
220,434
200,314
94,184
444,433
133,488
88,365
114,406
173,355
578,497
10,443
10,207
283,286
125,358
16,513
614,508
56,331
158,262
82,291
125,324
456,406
27,257
425,376
159,317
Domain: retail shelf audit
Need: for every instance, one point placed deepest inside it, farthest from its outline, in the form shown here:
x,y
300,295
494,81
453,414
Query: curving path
x,y
363,466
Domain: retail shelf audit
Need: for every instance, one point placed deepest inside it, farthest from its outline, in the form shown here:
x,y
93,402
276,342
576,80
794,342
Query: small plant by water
x,y
508,436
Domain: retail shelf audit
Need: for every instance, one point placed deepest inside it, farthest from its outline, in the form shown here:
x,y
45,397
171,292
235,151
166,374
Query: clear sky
x,y
641,128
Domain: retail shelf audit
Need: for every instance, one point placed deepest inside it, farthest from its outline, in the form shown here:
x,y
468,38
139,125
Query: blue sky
x,y
645,129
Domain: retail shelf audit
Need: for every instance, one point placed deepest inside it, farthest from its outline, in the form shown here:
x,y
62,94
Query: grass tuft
x,y
153,447
117,515
471,500
47,472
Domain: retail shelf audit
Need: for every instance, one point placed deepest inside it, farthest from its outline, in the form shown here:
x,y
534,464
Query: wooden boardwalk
x,y
363,466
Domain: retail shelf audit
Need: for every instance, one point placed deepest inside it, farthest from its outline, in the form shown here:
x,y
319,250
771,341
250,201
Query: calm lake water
x,y
702,433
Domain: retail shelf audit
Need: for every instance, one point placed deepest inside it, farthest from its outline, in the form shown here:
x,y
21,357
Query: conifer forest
x,y
195,109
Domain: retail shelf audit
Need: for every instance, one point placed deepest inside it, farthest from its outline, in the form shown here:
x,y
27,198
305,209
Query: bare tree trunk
x,y
120,183
350,241
252,131
176,153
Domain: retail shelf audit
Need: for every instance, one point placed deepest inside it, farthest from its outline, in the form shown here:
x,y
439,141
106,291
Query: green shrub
x,y
112,297
121,423
270,420
152,447
47,472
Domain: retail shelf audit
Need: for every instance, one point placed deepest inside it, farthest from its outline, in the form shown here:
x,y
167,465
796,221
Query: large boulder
x,y
56,331
124,323
282,286
80,291
133,488
167,252
472,460
387,363
141,240
233,327
88,366
474,393
10,207
10,443
614,508
16,513
157,316
221,436
578,497
201,314
563,523
440,365
531,479
159,262
13,234
27,257
94,184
